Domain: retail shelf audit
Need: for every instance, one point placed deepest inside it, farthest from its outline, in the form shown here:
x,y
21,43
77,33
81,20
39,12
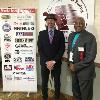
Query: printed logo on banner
x,y
23,52
24,33
24,17
29,67
7,38
8,10
7,60
18,67
19,73
18,60
23,28
29,78
19,33
7,55
27,51
28,23
7,46
29,59
23,46
17,78
8,77
17,51
8,67
6,17
23,40
24,23
6,27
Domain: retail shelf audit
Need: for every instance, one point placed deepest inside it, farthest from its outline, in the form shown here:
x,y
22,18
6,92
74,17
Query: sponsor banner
x,y
66,11
18,47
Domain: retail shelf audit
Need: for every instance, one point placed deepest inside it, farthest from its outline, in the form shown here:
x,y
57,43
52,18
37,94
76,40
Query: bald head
x,y
79,24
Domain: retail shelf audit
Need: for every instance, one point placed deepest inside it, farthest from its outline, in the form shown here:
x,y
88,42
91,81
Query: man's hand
x,y
50,64
72,67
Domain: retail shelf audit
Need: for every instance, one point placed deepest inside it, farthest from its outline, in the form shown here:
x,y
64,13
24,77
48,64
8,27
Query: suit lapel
x,y
46,36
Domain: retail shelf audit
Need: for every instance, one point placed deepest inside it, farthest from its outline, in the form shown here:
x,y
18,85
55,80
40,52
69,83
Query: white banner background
x,y
18,48
82,8
66,11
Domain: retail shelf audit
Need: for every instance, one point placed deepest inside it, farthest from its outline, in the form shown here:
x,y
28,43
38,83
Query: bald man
x,y
82,49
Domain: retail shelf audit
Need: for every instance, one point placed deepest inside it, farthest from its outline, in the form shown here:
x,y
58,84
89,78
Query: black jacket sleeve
x,y
40,47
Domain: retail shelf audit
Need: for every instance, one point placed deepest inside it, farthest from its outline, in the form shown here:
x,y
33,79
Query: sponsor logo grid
x,y
18,40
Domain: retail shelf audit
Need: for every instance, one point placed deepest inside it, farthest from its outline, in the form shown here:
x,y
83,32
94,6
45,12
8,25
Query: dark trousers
x,y
45,76
82,89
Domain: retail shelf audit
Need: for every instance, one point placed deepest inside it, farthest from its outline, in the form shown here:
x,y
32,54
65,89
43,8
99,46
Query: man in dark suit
x,y
51,47
82,49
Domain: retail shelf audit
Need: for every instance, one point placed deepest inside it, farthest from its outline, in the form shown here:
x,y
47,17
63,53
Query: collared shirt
x,y
50,30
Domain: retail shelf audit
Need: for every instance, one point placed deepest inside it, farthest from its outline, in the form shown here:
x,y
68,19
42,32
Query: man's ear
x,y
45,24
85,25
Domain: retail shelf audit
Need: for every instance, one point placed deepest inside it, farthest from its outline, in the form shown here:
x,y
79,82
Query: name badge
x,y
80,48
71,56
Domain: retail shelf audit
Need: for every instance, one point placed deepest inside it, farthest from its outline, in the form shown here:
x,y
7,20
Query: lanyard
x,y
75,39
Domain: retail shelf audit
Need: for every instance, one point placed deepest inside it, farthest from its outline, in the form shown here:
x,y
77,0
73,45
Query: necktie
x,y
51,36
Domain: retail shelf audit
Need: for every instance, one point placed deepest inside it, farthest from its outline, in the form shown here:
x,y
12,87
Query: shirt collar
x,y
51,29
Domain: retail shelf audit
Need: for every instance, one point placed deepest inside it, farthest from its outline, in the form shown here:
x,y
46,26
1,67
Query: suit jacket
x,y
52,51
85,68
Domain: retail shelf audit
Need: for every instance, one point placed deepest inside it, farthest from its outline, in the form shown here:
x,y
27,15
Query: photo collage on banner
x,y
66,11
18,47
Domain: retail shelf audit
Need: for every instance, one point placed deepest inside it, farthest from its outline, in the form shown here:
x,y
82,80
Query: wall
x,y
97,28
97,85
18,3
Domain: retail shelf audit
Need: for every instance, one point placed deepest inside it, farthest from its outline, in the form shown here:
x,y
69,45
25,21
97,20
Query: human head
x,y
79,24
50,20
